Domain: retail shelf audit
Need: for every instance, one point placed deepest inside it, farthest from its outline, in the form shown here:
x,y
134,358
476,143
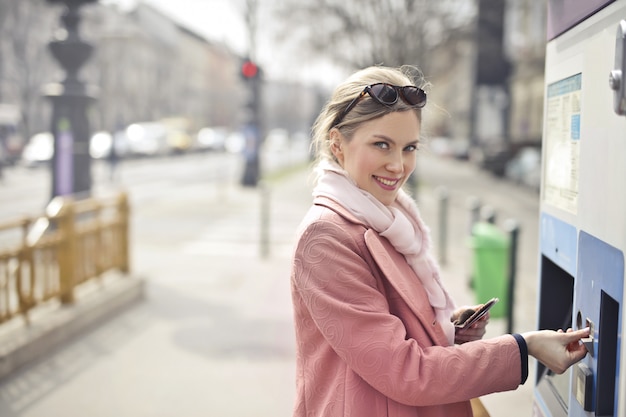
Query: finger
x,y
577,334
481,324
471,333
573,346
578,353
572,338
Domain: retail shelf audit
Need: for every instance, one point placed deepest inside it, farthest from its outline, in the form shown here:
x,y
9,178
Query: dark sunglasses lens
x,y
384,93
414,96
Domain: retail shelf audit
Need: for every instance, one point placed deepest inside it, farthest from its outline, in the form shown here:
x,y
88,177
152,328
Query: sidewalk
x,y
510,201
290,198
214,335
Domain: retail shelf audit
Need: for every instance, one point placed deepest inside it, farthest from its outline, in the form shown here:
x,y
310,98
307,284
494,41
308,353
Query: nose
x,y
395,164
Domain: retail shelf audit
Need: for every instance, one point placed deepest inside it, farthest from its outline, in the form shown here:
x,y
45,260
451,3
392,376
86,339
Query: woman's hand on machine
x,y
558,350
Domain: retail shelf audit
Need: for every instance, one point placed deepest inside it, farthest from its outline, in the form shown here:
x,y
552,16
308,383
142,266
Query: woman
x,y
373,320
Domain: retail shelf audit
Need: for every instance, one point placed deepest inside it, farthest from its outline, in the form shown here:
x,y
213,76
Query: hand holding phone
x,y
470,316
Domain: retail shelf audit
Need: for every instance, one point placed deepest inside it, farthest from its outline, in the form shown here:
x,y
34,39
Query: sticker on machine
x,y
561,142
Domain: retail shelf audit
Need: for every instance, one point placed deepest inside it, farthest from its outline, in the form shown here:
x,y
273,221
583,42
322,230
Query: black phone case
x,y
477,314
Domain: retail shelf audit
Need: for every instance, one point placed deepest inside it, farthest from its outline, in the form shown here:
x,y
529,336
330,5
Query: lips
x,y
387,183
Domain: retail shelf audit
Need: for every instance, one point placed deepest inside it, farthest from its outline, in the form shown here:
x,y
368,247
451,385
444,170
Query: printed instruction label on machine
x,y
561,141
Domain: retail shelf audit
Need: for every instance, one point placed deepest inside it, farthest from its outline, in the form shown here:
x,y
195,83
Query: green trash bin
x,y
490,264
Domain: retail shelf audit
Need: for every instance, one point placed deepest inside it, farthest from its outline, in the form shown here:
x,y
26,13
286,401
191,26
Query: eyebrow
x,y
387,138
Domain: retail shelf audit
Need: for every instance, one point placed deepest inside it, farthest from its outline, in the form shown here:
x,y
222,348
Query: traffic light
x,y
249,69
251,74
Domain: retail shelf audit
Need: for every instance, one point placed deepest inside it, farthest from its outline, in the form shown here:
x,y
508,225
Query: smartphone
x,y
477,314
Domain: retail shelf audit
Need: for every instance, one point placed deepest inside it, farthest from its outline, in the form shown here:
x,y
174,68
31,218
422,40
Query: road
x,y
26,191
214,335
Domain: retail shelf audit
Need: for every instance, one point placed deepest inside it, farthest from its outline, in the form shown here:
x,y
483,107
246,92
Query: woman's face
x,y
381,155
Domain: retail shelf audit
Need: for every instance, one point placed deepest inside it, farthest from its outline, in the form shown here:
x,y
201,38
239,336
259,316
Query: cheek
x,y
411,163
363,161
359,165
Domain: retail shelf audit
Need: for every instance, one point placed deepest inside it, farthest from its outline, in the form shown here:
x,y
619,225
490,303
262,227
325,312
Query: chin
x,y
387,201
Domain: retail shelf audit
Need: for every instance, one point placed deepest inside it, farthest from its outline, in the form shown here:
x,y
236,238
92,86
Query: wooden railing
x,y
46,258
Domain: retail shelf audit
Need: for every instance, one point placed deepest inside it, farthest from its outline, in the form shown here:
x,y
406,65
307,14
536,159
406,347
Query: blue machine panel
x,y
598,294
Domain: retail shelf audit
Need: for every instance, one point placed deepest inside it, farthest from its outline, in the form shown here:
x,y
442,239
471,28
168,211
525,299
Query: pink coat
x,y
368,343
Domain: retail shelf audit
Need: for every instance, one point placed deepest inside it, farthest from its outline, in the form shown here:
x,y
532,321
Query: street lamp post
x,y
71,98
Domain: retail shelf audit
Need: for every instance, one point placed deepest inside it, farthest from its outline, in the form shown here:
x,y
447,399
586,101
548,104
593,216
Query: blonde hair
x,y
366,110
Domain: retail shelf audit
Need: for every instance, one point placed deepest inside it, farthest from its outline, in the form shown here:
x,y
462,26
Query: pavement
x,y
206,325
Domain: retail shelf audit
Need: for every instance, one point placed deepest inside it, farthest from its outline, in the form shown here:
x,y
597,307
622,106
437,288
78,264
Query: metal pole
x,y
71,162
488,214
473,205
512,227
264,241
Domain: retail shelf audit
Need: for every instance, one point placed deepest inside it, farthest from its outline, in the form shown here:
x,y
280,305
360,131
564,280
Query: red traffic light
x,y
249,69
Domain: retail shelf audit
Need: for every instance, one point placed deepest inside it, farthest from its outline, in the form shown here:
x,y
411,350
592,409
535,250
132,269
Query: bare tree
x,y
354,34
5,6
25,27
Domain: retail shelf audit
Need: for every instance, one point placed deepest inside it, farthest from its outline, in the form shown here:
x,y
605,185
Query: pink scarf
x,y
401,224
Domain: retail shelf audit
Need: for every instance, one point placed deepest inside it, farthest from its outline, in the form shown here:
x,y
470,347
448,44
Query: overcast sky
x,y
218,20
222,21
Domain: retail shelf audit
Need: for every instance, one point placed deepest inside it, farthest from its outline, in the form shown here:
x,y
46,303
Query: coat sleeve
x,y
343,297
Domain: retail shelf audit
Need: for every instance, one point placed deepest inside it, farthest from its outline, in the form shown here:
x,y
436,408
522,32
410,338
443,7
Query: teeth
x,y
387,182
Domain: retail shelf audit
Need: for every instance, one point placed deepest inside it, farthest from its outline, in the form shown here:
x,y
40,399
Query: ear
x,y
336,141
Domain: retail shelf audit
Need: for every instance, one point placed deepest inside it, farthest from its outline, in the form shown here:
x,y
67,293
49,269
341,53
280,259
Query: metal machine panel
x,y
559,242
598,297
583,205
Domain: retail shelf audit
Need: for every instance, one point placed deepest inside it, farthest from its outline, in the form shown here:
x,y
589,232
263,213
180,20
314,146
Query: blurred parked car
x,y
178,138
101,143
147,139
492,157
277,140
11,139
178,141
448,147
211,139
235,142
525,167
38,150
440,146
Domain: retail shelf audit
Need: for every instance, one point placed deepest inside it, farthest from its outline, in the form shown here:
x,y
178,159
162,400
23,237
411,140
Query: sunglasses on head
x,y
387,95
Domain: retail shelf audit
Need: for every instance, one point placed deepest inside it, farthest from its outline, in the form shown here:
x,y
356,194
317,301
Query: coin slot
x,y
592,327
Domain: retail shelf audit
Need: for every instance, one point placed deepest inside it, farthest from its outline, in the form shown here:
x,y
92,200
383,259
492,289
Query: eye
x,y
410,148
381,145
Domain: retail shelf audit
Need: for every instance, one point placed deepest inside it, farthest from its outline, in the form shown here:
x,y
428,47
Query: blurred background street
x,y
200,111
214,334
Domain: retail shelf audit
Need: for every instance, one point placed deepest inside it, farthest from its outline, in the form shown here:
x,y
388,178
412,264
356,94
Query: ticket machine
x,y
583,205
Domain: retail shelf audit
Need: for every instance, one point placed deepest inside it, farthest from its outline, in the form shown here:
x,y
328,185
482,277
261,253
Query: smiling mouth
x,y
387,183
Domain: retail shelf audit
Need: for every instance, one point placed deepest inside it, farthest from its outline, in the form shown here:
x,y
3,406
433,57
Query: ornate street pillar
x,y
71,98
